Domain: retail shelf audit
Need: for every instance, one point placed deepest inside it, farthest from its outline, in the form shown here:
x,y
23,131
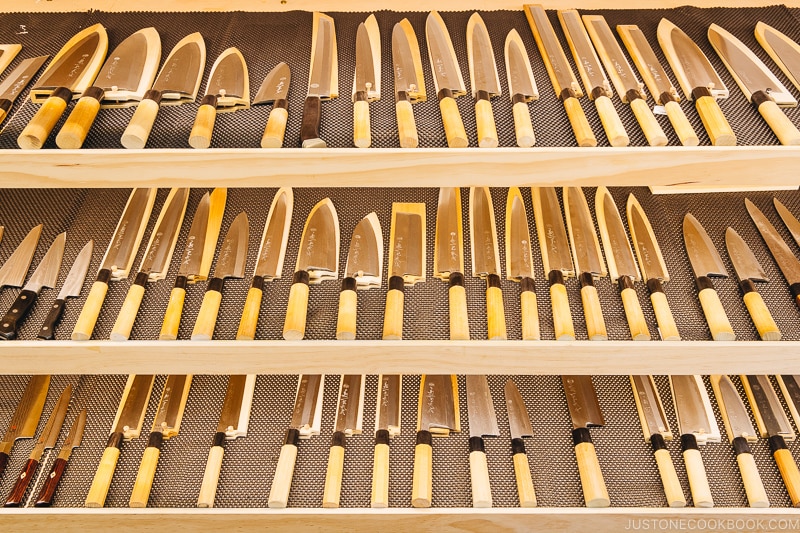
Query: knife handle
x,y
683,128
309,129
45,498
780,124
762,318
718,323
6,449
130,308
348,309
787,467
21,485
595,324
48,330
208,489
333,475
459,320
294,327
495,310
523,128
91,307
276,125
284,471
18,310
666,323
5,107
380,471
484,117
203,128
595,493
612,125
252,308
522,473
80,120
172,317
422,484
633,310
529,310
666,469
451,120
479,474
362,137
644,116
715,123
393,316
696,472
406,125
562,318
138,130
38,129
753,485
105,471
209,309
147,471
577,119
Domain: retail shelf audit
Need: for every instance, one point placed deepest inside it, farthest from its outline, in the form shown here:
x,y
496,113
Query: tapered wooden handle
x,y
696,472
529,312
459,320
650,127
276,128
595,324
102,478
38,129
522,473
203,128
762,318
172,317
666,469
208,489
615,131
284,471
10,322
422,483
20,487
380,471
78,124
138,130
495,311
523,128
127,315
562,317
753,485
362,136
393,316
633,310
45,498
144,477
787,467
249,320
309,130
453,126
48,329
666,323
207,317
780,124
595,493
580,125
347,317
479,474
715,123
484,118
91,310
333,475
294,327
718,323
406,125
683,128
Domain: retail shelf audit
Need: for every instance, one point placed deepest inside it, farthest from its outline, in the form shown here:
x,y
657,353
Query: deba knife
x,y
363,270
367,80
349,416
406,263
447,79
275,90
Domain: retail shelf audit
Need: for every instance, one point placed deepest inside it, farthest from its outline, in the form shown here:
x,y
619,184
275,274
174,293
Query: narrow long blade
x,y
307,403
519,262
132,407
162,242
518,420
29,409
448,251
228,76
782,49
124,243
365,67
790,386
52,428
615,241
20,77
644,241
407,62
446,72
703,255
744,262
585,246
437,411
617,66
690,407
518,68
365,257
125,66
350,405
233,253
322,57
77,274
387,413
734,413
482,418
74,437
168,417
235,415
482,68
72,66
319,246
275,86
13,272
688,62
408,243
558,68
771,417
195,242
650,409
181,73
653,74
46,274
792,224
483,234
589,67
786,260
552,234
584,408
276,233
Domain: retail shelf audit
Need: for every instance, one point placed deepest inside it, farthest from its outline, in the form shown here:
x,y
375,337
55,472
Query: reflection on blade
x,y
651,412
584,409
388,398
703,255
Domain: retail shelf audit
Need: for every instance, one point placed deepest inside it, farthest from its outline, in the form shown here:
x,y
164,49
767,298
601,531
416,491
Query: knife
x,y
448,259
522,88
323,79
792,224
70,289
406,262
73,440
166,425
270,259
364,270
657,81
7,54
656,431
387,425
437,416
155,262
317,261
587,257
228,90
45,275
621,264
447,79
198,253
349,415
740,433
561,75
630,90
584,409
749,271
127,426
790,387
123,80
482,423
275,90
707,263
26,416
698,79
483,78
519,262
783,50
409,81
14,270
16,81
70,72
47,440
758,84
306,420
486,258
177,83
520,427
367,82
231,263
233,421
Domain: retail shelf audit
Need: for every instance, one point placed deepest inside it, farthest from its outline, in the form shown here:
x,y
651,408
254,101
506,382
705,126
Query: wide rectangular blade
x,y
407,240
744,262
52,429
561,75
653,74
407,62
688,62
480,408
734,413
77,274
167,420
131,67
128,234
550,229
195,242
350,405
365,257
483,233
791,222
703,255
518,69
14,270
519,261
482,68
770,417
617,66
323,78
584,408
387,412
790,386
446,72
615,241
693,408
448,256
319,245
307,412
133,406
179,78
232,258
162,241
586,59
786,260
229,81
783,50
20,77
275,86
368,70
438,405
585,246
74,437
29,409
46,274
276,234
235,415
518,420
650,408
644,241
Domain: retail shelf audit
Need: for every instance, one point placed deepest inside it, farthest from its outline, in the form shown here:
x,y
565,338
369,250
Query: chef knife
x,y
71,289
72,441
349,415
275,90
486,258
7,54
406,262
447,79
16,81
14,270
520,427
126,75
387,425
323,79
409,81
482,423
783,50
26,416
366,83
519,262
521,87
448,258
364,270
483,78
792,224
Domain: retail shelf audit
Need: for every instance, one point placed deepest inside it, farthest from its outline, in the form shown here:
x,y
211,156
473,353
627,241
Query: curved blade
x,y
446,72
615,241
408,242
518,420
235,414
233,253
519,262
13,272
387,413
29,409
518,69
644,241
276,233
365,257
688,62
558,68
552,234
20,77
480,408
734,413
589,67
75,65
365,78
195,242
653,74
167,420
319,246
448,250
407,62
46,274
482,68
693,409
323,58
77,274
162,241
483,234
744,262
307,412
350,407
275,86
787,262
783,50
584,408
703,255
585,246
650,409
179,78
52,429
131,67
617,66
228,78
792,224
129,231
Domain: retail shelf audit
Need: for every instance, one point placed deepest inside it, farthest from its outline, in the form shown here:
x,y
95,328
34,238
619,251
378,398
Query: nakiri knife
x,y
387,425
15,269
447,78
698,80
227,90
72,287
519,262
275,90
482,423
783,50
521,87
349,416
323,79
26,416
155,262
749,271
484,80
407,260
127,426
126,75
706,263
363,271
791,222
317,261
448,259
271,254
305,423
7,54
486,258
561,76
72,441
367,80
759,85
177,83
409,81
16,81
118,259
70,72
234,419
519,424
166,425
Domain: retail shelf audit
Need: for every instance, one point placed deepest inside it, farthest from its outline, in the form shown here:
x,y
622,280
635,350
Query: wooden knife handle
x,y
309,129
666,323
4,455
203,128
105,472
138,130
406,125
633,311
718,323
787,467
130,308
38,129
479,474
252,308
595,324
666,469
522,473
715,123
380,471
362,136
276,125
17,493
484,118
780,124
615,130
753,485
333,475
348,310
147,471
529,310
209,309
451,119
495,310
393,316
577,119
80,120
683,128
762,318
45,498
15,314
48,330
562,318
595,493
91,307
208,489
5,107
294,327
284,471
523,128
422,484
650,127
172,317
459,320
696,472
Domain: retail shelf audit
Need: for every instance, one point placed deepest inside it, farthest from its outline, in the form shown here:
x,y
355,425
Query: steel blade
x,y
307,404
13,272
617,66
448,251
734,413
179,78
275,86
644,241
319,246
406,62
446,72
29,409
744,262
365,257
763,400
322,57
387,412
787,262
585,246
518,69
235,414
555,61
168,417
228,76
437,405
691,409
52,429
552,234
128,234
77,274
124,70
365,79
615,241
653,74
519,261
482,68
20,77
688,62
133,405
792,224
75,65
518,420
408,244
483,234
195,242
790,386
232,258
350,406
650,409
703,255
584,408
46,274
276,234
783,50
74,437
482,418
162,241
586,59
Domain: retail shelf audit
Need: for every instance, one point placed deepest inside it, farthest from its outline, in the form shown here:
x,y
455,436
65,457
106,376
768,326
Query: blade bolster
x,y
5,104
482,95
180,282
518,446
349,284
655,285
518,98
382,437
633,94
476,444
566,94
215,284
209,99
115,440
155,440
657,442
104,275
281,103
292,436
795,288
667,97
456,279
444,93
688,442
141,279
219,439
740,446
777,442
63,93
759,97
493,281
94,92
581,435
747,286
301,276
587,280
396,283
555,277
527,285
699,92
153,95
704,282
338,439
257,283
425,437
599,91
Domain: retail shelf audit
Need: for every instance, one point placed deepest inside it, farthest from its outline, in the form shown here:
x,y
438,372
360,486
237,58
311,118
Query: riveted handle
x,y
523,128
718,323
459,320
529,310
208,488
362,136
495,310
479,474
696,472
577,119
484,118
406,125
80,120
284,471
595,324
522,473
48,329
753,485
138,130
38,129
172,317
393,315
422,483
451,119
130,308
683,128
45,498
780,124
562,318
104,474
209,309
333,475
15,314
203,128
633,310
714,121
650,127
309,130
595,493
615,131
294,327
252,308
666,469
762,318
275,129
666,323
91,307
380,471
348,310
21,485
147,473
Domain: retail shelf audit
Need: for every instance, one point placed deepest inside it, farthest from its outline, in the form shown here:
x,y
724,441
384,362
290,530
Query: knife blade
x,y
387,425
14,270
228,90
519,262
323,79
70,289
790,387
483,78
409,81
447,79
16,81
366,84
791,222
448,259
317,261
521,87
306,420
70,72
520,427
707,263
127,426
698,79
482,423
118,258
270,259
7,54
26,416
486,258
275,90
349,414
123,80
72,441
177,83
783,50
363,271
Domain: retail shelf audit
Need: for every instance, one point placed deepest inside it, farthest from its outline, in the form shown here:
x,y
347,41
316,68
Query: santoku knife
x,y
483,78
72,441
16,81
26,416
409,81
349,415
792,224
520,427
448,259
387,425
447,79
14,270
363,270
275,90
72,287
323,79
486,258
367,80
783,50
519,262
407,261
482,423
521,87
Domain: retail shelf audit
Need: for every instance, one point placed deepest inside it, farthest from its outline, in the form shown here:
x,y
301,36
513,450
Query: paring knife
x,y
486,258
72,441
364,270
7,54
367,81
71,289
275,90
387,425
16,81
520,427
482,423
323,79
521,87
791,222
26,416
123,80
783,50
447,79
519,262
406,262
409,81
14,270
448,259
483,78
349,415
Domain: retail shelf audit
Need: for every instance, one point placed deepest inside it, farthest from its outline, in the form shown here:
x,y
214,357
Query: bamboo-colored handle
x,y
3,115
362,136
422,484
78,124
522,473
753,485
333,478
208,489
789,473
453,126
91,310
580,125
715,122
276,128
650,127
172,318
718,323
138,131
144,477
207,317
102,478
393,316
484,118
615,131
635,316
38,129
595,493
530,316
294,327
203,127
666,323
127,315
698,481
249,320
780,124
523,128
562,318
479,479
495,314
683,128
380,477
346,320
762,318
459,320
282,482
669,479
406,125
595,324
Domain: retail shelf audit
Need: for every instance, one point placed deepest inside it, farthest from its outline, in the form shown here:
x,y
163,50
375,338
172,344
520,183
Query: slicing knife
x,y
483,78
482,423
71,289
275,90
519,262
16,81
521,87
486,258
448,259
26,416
72,441
520,427
367,79
791,222
323,79
447,79
363,271
349,416
409,81
387,425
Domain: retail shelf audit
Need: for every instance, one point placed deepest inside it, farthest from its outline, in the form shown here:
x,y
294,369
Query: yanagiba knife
x,y
482,423
783,50
71,289
791,222
519,262
72,441
409,81
447,79
387,425
323,79
448,259
486,258
275,90
7,54
364,270
349,415
521,87
790,387
14,270
16,81
406,263
26,416
367,80
483,78
520,427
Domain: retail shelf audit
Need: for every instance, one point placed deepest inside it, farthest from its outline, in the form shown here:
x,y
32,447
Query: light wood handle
x,y
38,129
3,115
650,127
276,128
144,477
615,131
282,482
172,318
718,323
102,478
453,126
522,473
666,323
484,118
780,124
207,317
698,481
479,480
362,136
523,128
530,316
762,318
787,467
138,131
459,320
580,125
380,477
393,316
669,479
203,127
406,125
91,310
495,314
422,484
127,315
562,318
634,314
294,327
595,493
208,489
333,478
753,485
683,128
346,321
249,320
715,122
595,324
78,124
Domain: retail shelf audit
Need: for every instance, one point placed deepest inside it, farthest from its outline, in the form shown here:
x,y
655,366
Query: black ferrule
x,y
360,96
777,442
703,283
632,95
586,279
301,276
396,283
759,97
482,95
209,99
688,442
444,93
156,440
517,446
94,92
657,442
424,437
338,439
153,95
63,93
740,446
349,284
219,439
180,282
747,285
456,279
566,94
655,285
625,282
597,92
5,104
581,435
141,279
518,98
665,98
115,440
492,281
795,288
527,285
292,436
401,96
555,277
215,285
104,275
700,92
280,103
476,445
258,283
382,437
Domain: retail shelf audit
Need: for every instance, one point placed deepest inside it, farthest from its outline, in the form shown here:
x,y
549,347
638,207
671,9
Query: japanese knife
x,y
629,89
387,425
406,262
584,409
790,387
233,421
706,263
72,287
228,90
47,440
317,261
45,275
657,81
792,224
26,416
364,270
349,415
437,416
126,75
592,75
127,426
275,90
270,259
448,259
72,441
166,425
740,434
177,83
16,81
70,72
561,76
367,80
409,81
306,420
486,258
7,54
749,271
14,270
447,79
519,262
155,263
231,263
482,423
520,427
323,79
483,78
758,84
521,87
698,79
783,50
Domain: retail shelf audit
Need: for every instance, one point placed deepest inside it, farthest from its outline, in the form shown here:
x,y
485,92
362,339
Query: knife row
x,y
128,78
